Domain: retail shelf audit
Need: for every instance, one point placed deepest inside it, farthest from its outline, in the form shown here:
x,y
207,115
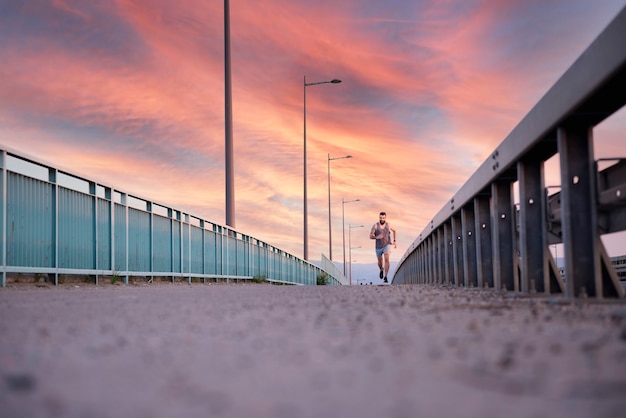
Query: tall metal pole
x,y
230,182
306,204
343,234
306,208
350,246
350,250
343,225
330,235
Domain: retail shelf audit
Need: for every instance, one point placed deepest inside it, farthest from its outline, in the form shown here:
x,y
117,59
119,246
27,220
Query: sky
x,y
131,94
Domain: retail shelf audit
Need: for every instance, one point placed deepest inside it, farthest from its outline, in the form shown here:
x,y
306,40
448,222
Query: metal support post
x,y
440,251
579,211
533,227
457,251
503,235
484,257
448,255
469,246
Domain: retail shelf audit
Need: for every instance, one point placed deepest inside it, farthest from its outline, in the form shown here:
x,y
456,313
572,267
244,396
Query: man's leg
x,y
386,264
380,265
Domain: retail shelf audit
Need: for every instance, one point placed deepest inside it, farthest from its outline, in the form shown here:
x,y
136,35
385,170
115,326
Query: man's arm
x,y
373,232
395,235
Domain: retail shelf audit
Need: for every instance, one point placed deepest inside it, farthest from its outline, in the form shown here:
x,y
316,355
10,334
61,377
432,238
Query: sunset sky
x,y
131,93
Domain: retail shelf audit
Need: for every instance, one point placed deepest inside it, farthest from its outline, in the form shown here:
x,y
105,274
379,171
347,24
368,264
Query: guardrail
x,y
336,276
480,238
54,222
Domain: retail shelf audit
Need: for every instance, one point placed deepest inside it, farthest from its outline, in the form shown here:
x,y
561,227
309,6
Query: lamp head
x,y
335,81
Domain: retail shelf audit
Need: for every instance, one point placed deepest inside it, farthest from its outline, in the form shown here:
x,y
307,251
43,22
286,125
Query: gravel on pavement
x,y
258,350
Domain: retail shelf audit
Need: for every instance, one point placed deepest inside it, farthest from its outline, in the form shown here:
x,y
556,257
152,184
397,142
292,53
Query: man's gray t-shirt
x,y
386,233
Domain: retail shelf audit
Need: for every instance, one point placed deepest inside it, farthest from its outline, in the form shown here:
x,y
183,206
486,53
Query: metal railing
x,y
54,222
481,238
335,275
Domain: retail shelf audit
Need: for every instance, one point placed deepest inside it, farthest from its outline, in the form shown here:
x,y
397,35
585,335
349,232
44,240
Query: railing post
x,y
440,251
503,235
532,229
579,211
3,167
429,260
423,264
53,178
482,228
457,250
469,246
448,255
93,190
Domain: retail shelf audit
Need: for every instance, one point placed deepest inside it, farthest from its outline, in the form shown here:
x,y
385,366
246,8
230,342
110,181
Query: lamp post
x,y
343,226
306,208
228,116
330,235
350,227
351,261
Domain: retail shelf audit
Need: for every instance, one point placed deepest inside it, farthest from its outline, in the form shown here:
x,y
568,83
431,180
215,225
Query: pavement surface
x,y
256,350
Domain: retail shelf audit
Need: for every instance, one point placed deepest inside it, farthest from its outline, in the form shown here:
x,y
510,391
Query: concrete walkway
x,y
275,351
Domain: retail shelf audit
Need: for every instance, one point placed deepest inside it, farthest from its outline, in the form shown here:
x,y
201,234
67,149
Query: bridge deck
x,y
277,351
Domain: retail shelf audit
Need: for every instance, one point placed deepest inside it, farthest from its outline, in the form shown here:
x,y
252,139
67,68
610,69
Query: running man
x,y
381,232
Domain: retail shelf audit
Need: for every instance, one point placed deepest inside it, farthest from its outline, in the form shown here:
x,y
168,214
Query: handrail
x,y
591,90
57,222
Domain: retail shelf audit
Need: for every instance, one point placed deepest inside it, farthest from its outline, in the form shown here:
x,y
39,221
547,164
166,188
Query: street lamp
x,y
306,210
343,226
350,227
330,236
